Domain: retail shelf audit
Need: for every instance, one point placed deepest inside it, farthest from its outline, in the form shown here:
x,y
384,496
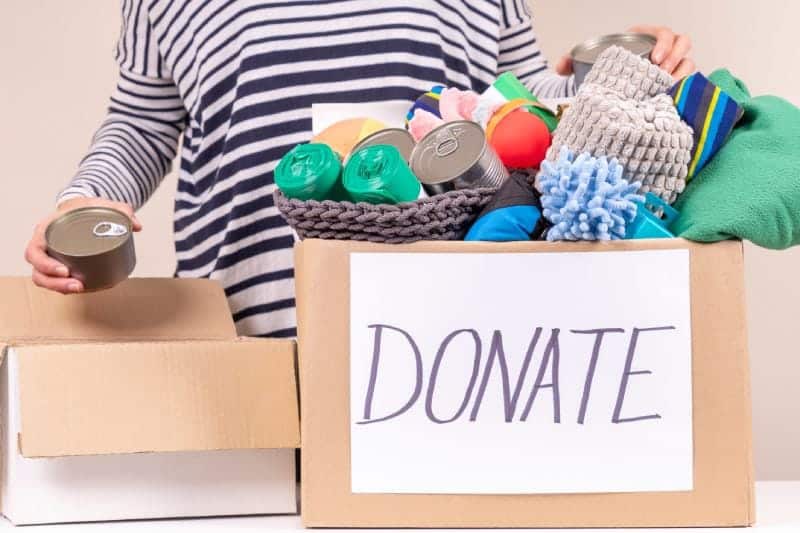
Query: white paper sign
x,y
521,373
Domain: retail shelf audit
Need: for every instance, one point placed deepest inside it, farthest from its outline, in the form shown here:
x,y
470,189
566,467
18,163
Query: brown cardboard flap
x,y
139,308
723,470
86,399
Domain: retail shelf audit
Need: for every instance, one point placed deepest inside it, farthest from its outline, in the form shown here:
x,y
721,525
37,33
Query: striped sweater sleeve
x,y
520,53
134,147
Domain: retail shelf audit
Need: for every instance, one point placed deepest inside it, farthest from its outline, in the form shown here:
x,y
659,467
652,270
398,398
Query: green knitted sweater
x,y
751,188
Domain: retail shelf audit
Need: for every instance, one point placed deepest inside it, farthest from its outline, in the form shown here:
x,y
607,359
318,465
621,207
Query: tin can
x,y
95,244
456,155
585,54
397,137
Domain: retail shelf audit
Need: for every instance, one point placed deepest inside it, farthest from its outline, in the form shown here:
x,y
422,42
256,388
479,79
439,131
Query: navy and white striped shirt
x,y
238,77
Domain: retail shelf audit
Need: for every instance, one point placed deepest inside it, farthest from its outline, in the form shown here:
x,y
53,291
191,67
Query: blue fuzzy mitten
x,y
586,198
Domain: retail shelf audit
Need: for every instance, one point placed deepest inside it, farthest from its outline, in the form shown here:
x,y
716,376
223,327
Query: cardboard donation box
x,y
531,384
140,402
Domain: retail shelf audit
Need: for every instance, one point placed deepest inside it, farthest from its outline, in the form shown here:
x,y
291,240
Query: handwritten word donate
x,y
546,373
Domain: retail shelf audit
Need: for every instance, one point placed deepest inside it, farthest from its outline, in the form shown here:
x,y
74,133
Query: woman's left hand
x,y
671,51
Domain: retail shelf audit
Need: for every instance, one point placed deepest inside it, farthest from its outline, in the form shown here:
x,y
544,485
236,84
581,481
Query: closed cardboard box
x,y
140,402
524,384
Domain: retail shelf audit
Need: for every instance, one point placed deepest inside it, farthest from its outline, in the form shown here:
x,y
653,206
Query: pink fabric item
x,y
422,123
455,104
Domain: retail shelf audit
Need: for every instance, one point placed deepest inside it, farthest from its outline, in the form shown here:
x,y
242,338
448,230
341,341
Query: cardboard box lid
x,y
139,308
86,399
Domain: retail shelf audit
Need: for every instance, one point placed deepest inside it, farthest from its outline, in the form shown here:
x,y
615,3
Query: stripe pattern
x,y
236,79
712,113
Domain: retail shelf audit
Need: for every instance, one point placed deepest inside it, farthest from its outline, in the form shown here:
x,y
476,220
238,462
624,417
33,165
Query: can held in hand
x,y
95,244
585,54
397,137
456,155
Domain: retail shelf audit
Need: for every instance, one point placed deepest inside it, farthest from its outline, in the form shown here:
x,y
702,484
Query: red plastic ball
x,y
521,140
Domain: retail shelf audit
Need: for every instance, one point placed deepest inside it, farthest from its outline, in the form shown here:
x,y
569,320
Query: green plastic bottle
x,y
378,174
511,88
311,172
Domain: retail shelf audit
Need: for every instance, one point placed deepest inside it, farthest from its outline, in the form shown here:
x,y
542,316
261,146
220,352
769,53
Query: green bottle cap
x,y
378,174
511,88
310,172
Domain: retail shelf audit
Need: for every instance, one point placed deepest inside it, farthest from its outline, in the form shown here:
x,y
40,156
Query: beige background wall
x,y
56,71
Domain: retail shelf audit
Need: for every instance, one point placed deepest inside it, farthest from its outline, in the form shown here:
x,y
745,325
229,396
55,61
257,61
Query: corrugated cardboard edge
x,y
138,308
326,496
68,416
748,401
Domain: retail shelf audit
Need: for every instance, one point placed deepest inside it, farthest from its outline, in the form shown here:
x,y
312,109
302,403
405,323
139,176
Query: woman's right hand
x,y
51,274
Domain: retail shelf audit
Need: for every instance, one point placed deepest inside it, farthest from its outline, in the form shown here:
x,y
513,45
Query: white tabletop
x,y
777,509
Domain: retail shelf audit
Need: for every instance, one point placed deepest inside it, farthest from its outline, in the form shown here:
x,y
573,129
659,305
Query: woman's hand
x,y
49,273
671,52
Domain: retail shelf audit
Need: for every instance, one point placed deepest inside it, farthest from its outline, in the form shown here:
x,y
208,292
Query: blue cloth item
x,y
514,214
653,219
711,113
586,198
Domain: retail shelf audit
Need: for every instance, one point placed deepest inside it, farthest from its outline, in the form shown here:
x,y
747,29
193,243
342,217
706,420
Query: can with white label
x,y
456,155
95,244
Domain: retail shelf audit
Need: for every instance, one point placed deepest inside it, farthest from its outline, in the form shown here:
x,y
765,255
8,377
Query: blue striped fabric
x,y
710,112
236,79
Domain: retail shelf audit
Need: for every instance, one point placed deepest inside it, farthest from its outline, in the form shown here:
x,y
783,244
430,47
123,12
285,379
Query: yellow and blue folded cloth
x,y
711,113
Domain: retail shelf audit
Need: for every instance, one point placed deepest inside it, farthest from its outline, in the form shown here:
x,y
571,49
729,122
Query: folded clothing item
x,y
514,214
428,102
628,74
751,189
586,198
646,136
710,111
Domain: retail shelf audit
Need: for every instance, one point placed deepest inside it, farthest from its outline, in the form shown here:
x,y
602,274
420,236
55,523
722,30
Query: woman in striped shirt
x,y
236,79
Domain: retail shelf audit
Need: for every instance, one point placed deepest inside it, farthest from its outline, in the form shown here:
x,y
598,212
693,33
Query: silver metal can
x,y
95,244
456,155
585,54
397,137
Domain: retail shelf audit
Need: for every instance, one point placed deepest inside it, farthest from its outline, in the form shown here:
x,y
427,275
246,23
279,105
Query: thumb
x,y
564,66
128,210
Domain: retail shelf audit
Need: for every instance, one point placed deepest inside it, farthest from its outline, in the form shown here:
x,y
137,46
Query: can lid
x,y
640,44
397,137
448,152
88,231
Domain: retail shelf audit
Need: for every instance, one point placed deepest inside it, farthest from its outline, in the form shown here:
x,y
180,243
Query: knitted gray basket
x,y
444,217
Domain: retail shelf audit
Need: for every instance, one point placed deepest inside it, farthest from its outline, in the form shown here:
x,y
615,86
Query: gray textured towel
x,y
621,111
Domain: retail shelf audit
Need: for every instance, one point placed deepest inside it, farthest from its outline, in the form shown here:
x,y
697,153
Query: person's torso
x,y
249,71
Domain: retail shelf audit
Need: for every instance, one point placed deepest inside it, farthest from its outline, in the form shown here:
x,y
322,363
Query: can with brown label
x,y
95,244
456,155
